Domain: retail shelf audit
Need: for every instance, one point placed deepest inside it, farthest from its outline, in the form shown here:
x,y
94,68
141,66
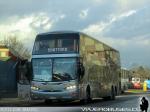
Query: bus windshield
x,y
64,69
42,69
59,69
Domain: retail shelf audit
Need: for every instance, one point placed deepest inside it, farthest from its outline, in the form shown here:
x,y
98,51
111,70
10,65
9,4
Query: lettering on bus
x,y
55,46
57,50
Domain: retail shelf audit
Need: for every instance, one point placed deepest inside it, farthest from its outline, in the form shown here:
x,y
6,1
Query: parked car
x,y
137,85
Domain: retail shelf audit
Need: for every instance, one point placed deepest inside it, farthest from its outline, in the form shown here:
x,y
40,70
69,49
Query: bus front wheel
x,y
88,95
88,98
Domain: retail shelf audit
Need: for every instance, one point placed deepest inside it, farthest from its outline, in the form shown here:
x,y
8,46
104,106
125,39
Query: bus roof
x,y
59,32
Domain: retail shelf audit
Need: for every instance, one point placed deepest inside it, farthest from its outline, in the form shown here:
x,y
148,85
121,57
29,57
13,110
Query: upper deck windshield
x,y
56,43
63,69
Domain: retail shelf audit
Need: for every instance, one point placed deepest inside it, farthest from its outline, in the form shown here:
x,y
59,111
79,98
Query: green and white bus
x,y
125,76
70,65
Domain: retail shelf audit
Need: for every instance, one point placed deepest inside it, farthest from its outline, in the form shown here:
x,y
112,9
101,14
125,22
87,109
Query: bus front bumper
x,y
66,95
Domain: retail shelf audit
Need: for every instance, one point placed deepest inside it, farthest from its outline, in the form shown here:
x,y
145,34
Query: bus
x,y
125,76
70,65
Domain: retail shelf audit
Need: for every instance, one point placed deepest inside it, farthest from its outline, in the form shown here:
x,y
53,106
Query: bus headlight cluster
x,y
71,87
34,88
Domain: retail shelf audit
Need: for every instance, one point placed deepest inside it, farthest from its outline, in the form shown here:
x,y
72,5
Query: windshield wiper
x,y
36,79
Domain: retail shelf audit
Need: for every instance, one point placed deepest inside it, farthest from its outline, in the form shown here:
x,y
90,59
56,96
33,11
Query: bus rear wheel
x,y
112,95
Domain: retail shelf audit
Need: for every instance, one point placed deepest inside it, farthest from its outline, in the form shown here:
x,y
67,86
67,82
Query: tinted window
x,y
42,69
64,69
56,44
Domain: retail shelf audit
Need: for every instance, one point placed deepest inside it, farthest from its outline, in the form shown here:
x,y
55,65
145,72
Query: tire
x,y
88,98
112,96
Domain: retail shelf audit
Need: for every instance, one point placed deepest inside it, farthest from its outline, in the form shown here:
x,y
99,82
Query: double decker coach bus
x,y
71,65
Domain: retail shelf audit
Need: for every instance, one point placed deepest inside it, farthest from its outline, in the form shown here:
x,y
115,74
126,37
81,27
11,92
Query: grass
x,y
136,91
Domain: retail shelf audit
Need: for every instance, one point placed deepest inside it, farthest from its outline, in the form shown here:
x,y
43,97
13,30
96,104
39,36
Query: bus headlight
x,y
34,88
71,87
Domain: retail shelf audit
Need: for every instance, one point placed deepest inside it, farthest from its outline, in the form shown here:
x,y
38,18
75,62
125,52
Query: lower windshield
x,y
42,69
63,69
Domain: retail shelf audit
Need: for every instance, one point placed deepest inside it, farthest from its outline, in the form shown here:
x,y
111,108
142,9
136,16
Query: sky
x,y
122,24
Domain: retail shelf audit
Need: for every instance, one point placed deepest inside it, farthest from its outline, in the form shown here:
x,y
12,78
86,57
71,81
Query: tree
x,y
141,72
16,47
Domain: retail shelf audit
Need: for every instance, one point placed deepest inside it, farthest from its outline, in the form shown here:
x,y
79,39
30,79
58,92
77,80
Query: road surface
x,y
122,103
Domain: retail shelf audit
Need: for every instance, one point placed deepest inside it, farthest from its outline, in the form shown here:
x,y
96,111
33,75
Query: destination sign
x,y
57,49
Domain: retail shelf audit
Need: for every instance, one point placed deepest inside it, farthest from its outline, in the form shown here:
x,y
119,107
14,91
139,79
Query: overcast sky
x,y
122,24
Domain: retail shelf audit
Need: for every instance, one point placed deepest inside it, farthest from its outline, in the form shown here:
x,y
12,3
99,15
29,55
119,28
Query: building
x,y
12,78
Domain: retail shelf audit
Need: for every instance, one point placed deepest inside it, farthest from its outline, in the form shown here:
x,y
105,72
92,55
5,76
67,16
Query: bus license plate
x,y
52,97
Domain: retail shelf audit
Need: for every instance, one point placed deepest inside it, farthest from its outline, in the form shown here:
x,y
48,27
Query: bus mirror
x,y
30,75
81,70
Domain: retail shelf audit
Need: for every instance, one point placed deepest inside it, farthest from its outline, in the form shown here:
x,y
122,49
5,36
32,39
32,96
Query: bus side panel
x,y
93,73
100,75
